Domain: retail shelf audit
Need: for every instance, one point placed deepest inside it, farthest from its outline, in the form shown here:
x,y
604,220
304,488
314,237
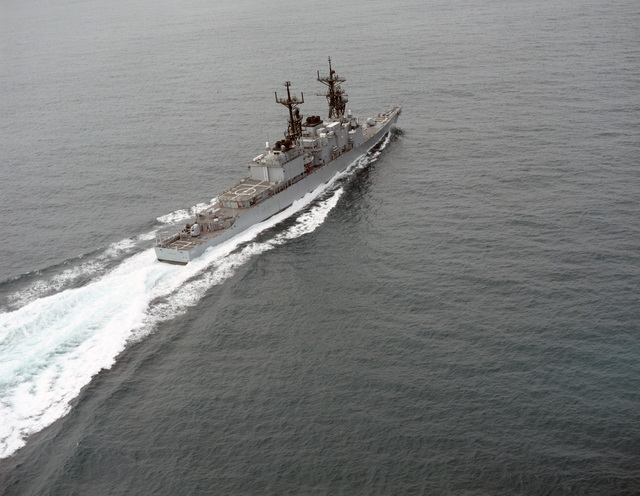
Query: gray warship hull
x,y
312,155
183,253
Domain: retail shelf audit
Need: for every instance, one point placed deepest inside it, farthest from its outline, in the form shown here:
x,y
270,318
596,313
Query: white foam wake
x,y
99,264
53,345
43,287
50,348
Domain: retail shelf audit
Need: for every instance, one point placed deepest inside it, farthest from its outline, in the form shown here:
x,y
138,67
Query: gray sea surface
x,y
457,315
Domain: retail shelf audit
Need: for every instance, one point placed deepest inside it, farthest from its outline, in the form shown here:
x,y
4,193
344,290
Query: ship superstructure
x,y
313,151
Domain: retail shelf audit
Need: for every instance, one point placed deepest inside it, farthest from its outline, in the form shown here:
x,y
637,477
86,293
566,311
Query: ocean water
x,y
458,314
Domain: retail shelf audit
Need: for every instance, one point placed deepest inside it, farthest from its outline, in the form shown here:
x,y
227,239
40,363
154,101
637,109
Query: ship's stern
x,y
172,256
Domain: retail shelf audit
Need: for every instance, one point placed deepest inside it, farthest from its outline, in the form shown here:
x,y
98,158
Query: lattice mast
x,y
294,130
336,96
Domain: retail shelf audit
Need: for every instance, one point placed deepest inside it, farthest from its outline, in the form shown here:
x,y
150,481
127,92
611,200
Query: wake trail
x,y
97,265
53,345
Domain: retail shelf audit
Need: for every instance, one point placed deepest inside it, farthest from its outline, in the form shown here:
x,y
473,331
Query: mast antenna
x,y
336,96
294,130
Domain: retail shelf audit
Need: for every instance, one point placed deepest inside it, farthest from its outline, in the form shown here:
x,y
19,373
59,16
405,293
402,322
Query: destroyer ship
x,y
312,152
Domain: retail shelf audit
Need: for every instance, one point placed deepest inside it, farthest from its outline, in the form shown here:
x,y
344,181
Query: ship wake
x,y
61,334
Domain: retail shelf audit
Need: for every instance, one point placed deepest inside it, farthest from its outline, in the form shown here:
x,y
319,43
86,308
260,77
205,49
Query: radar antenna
x,y
295,118
336,96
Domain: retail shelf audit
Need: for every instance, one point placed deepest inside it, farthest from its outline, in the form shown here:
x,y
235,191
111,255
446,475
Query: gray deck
x,y
245,190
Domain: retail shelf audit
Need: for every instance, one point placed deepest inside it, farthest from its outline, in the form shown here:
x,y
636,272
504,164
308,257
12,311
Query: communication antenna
x,y
295,118
336,96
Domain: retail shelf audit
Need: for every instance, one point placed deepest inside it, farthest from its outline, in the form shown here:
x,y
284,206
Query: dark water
x,y
458,315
